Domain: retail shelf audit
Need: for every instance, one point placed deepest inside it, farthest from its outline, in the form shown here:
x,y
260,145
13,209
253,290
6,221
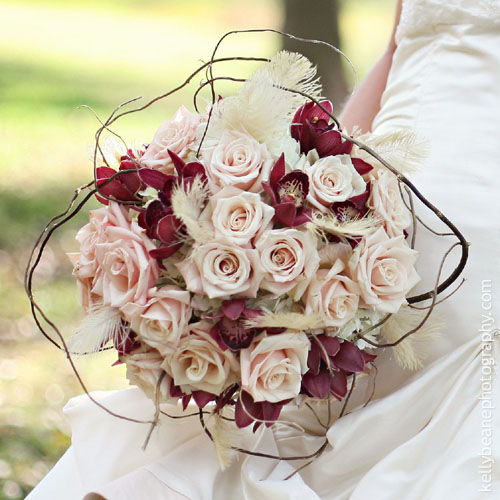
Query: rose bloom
x,y
199,363
161,321
333,179
220,270
384,269
144,370
176,135
272,367
333,295
125,270
93,233
386,202
238,216
237,160
289,260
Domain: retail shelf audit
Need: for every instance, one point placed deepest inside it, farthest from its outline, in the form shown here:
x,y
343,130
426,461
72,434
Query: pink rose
x,y
220,270
272,367
93,233
237,160
125,270
384,269
176,135
333,179
333,295
144,370
161,321
386,202
199,363
289,260
238,217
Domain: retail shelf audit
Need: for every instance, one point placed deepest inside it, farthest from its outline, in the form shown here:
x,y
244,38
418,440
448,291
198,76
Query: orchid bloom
x,y
311,127
330,362
288,194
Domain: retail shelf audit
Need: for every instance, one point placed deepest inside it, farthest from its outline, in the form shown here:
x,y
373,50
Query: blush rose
x,y
272,367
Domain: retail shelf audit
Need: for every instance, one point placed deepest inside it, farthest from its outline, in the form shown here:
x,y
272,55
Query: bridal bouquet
x,y
248,255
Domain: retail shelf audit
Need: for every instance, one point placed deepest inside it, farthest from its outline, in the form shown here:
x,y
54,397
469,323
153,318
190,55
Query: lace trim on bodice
x,y
422,16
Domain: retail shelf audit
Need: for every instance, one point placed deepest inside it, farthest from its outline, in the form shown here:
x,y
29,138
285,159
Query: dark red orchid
x,y
247,411
125,187
330,362
288,194
230,331
161,224
312,128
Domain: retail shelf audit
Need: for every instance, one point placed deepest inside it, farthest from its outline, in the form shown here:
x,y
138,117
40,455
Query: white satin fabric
x,y
426,436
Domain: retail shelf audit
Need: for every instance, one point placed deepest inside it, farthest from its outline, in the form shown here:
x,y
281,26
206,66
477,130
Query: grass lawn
x,y
55,56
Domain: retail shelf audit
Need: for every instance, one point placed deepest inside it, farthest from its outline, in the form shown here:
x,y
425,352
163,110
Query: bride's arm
x,y
362,107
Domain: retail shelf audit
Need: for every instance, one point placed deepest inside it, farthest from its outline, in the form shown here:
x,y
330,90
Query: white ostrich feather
x,y
188,204
290,320
403,149
412,351
101,325
263,107
328,223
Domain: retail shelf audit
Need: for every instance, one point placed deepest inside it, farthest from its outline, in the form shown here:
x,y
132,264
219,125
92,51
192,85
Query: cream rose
x,y
237,160
384,269
272,367
144,370
126,271
238,216
220,270
333,295
176,135
199,363
93,233
386,202
162,320
289,260
333,179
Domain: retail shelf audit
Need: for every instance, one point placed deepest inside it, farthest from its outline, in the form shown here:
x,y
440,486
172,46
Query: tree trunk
x,y
317,19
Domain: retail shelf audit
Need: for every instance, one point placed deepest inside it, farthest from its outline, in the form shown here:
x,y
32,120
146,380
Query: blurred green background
x,y
54,56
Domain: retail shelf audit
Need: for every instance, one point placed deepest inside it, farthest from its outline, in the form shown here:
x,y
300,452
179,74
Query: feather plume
x,y
265,105
403,149
225,436
291,320
412,351
188,203
101,325
328,223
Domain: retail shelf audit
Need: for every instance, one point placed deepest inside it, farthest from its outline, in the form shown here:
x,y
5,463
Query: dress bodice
x,y
426,16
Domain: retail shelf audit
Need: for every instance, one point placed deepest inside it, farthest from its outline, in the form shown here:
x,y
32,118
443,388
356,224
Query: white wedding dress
x,y
429,434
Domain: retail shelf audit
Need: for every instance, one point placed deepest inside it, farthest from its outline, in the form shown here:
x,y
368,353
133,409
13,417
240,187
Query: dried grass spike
x,y
188,203
412,351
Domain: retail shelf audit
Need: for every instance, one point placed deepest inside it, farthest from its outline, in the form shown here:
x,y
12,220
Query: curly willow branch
x,y
71,211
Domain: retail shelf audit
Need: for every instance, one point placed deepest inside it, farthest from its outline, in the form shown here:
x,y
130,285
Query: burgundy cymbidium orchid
x,y
230,331
124,187
288,194
312,128
330,362
158,219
